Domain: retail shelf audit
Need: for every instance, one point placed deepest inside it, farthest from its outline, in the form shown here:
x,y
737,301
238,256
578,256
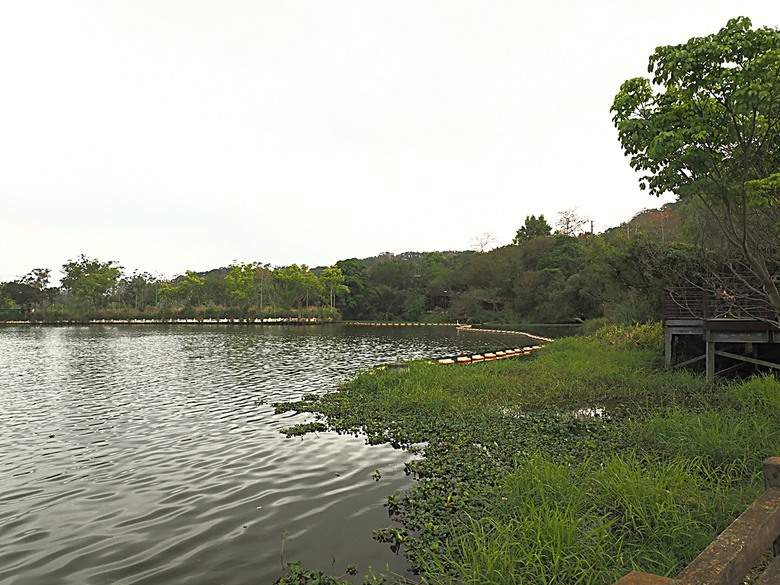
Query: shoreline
x,y
177,321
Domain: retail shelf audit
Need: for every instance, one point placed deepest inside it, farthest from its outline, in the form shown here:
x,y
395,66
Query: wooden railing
x,y
737,549
685,303
705,303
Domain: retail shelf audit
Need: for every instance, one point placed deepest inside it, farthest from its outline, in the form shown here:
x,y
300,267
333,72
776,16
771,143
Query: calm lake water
x,y
144,454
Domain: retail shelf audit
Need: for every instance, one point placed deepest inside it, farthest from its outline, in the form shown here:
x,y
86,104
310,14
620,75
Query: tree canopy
x,y
533,227
90,281
706,127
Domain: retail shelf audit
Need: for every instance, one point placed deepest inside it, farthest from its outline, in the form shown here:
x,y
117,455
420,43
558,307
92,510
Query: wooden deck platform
x,y
697,331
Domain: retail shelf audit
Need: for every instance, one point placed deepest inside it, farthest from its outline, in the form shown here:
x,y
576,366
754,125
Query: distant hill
x,y
662,224
412,256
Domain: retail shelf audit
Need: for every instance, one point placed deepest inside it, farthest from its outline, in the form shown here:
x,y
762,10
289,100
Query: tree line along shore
x,y
543,276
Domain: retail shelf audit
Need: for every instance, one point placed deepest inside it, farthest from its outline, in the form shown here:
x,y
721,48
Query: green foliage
x,y
586,523
240,284
302,429
296,286
414,306
185,290
534,298
760,394
532,228
299,576
139,291
387,302
590,326
353,304
332,280
90,282
557,279
716,94
393,272
22,295
711,132
553,279
736,437
644,336
565,255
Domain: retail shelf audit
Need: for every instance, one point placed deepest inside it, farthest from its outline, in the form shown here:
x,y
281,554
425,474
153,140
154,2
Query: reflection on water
x,y
151,454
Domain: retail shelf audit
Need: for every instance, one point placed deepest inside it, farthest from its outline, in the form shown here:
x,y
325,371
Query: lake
x,y
151,454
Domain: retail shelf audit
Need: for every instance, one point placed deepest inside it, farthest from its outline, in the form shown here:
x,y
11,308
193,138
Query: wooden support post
x,y
668,338
772,473
710,361
772,480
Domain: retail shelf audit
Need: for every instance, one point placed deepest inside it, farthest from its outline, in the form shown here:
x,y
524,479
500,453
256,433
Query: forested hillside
x,y
545,275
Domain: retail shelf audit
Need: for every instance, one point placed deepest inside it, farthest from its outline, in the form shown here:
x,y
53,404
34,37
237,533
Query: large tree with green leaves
x,y
332,280
89,281
240,284
706,127
295,286
31,291
534,227
139,290
353,305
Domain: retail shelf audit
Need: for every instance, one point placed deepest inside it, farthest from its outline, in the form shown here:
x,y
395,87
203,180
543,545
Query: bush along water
x,y
575,466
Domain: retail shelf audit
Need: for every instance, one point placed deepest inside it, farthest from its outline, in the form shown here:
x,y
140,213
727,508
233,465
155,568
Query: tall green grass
x,y
585,524
737,435
569,372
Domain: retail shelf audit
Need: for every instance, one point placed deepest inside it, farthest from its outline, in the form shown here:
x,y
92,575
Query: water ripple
x,y
148,455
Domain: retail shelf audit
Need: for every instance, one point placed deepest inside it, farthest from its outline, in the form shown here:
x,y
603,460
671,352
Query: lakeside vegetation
x,y
546,275
575,466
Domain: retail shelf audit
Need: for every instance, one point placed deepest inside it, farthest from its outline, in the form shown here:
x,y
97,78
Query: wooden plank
x,y
738,548
738,336
737,325
690,361
750,360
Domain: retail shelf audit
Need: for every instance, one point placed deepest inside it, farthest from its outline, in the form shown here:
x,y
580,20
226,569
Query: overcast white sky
x,y
186,134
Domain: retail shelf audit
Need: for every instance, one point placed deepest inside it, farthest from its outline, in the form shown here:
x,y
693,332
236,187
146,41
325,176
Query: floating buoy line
x,y
458,326
503,332
489,355
476,357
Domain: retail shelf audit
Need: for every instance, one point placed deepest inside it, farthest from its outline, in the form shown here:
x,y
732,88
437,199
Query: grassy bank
x,y
575,466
